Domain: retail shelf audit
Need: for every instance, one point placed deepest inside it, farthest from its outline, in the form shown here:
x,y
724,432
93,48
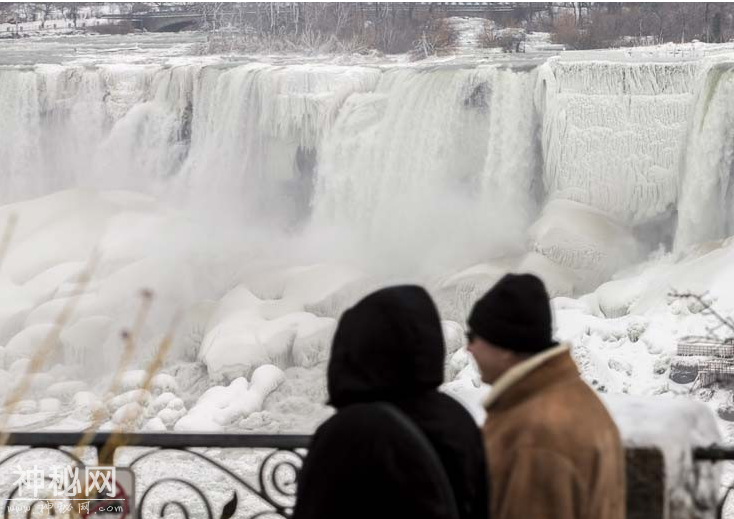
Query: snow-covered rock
x,y
313,341
31,340
133,379
221,406
243,334
88,406
49,405
83,341
163,383
169,416
25,407
66,390
154,425
139,396
129,416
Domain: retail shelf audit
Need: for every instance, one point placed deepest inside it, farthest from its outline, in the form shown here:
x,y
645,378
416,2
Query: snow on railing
x,y
272,490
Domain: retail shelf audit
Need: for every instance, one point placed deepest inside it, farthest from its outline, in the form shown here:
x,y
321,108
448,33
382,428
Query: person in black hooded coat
x,y
387,361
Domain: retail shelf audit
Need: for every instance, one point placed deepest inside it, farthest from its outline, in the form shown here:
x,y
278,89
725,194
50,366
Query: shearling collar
x,y
518,372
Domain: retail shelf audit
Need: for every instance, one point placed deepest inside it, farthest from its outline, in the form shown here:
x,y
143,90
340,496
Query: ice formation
x,y
241,338
426,153
221,406
393,155
258,200
707,166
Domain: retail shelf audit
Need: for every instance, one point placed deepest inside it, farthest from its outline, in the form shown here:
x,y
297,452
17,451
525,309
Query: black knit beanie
x,y
515,314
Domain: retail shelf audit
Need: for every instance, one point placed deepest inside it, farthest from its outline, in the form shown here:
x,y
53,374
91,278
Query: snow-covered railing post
x,y
661,435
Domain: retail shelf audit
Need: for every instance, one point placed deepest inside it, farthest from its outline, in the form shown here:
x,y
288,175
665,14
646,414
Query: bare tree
x,y
324,27
6,11
705,306
70,10
710,355
46,9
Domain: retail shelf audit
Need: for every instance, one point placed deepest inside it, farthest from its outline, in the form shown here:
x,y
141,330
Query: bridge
x,y
160,22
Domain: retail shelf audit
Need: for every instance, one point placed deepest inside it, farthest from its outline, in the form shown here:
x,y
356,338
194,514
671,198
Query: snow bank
x,y
706,267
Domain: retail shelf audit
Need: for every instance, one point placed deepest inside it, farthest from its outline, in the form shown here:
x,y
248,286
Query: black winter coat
x,y
369,461
389,348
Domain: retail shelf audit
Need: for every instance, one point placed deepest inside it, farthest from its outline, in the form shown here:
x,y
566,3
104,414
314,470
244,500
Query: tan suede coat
x,y
553,450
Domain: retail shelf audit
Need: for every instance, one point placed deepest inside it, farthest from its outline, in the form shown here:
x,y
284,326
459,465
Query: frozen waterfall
x,y
396,155
581,165
706,205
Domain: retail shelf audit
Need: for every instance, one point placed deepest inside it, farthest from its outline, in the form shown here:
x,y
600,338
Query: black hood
x,y
387,346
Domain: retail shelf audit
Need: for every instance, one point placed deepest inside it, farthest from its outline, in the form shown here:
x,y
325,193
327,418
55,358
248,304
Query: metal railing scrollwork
x,y
263,486
274,490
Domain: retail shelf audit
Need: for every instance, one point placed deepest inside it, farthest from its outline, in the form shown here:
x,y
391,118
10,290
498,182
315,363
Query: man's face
x,y
491,360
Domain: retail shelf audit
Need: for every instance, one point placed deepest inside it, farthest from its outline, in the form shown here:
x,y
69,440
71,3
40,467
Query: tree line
x,y
402,27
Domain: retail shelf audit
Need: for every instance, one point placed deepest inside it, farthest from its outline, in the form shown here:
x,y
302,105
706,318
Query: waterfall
x,y
200,131
256,131
455,164
414,150
706,206
612,138
433,157
613,133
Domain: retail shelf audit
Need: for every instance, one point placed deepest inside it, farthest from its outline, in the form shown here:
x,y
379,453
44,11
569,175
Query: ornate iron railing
x,y
273,490
268,492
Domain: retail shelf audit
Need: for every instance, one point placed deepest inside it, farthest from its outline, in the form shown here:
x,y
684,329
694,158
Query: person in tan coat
x,y
553,450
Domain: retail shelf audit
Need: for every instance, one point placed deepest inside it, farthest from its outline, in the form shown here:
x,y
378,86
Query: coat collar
x,y
524,379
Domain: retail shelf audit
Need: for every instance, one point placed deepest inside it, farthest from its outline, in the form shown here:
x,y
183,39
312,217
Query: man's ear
x,y
509,357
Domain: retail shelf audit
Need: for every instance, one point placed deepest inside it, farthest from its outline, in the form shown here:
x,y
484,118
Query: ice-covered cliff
x,y
608,158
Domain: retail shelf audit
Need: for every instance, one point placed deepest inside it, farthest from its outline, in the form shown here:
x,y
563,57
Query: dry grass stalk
x,y
44,349
10,226
129,339
117,440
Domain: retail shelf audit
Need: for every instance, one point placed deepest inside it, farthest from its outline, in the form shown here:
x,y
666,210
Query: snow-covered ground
x,y
50,27
57,22
255,198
